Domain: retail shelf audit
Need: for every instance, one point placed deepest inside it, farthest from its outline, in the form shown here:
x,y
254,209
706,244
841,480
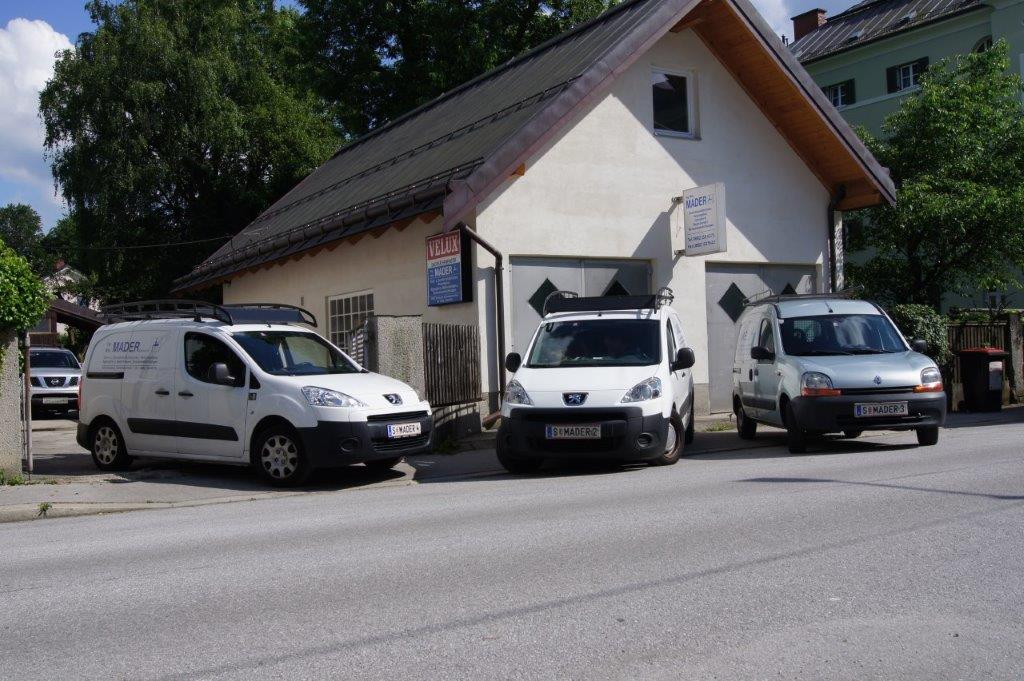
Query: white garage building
x,y
568,161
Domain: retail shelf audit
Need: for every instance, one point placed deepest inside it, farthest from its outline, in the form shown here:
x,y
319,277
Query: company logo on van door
x,y
123,346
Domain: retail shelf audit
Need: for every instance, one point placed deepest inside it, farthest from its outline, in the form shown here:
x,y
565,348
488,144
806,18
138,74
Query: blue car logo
x,y
574,399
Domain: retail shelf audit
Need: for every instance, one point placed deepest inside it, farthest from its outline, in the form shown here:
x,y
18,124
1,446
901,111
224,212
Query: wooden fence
x,y
451,364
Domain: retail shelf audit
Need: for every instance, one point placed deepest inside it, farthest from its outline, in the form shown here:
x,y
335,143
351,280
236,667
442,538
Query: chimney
x,y
807,22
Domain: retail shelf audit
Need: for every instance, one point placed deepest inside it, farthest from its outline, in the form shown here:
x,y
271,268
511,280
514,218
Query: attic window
x,y
854,37
906,18
674,105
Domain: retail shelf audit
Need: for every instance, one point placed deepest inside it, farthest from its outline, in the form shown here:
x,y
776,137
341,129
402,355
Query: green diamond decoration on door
x,y
789,290
616,289
732,301
536,301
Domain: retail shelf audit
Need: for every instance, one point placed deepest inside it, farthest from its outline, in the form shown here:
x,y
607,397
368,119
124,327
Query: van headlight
x,y
815,384
322,397
515,393
931,381
643,391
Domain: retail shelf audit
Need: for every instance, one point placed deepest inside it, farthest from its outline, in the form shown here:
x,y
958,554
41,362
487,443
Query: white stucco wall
x,y
603,186
392,266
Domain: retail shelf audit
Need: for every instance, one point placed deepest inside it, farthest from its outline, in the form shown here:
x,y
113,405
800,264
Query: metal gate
x,y
727,285
534,278
451,364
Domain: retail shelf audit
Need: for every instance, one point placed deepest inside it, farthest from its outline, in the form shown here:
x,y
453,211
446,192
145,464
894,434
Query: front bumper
x,y
833,414
39,397
523,434
332,444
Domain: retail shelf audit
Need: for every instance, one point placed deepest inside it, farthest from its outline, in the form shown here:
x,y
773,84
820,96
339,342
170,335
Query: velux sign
x,y
448,269
702,227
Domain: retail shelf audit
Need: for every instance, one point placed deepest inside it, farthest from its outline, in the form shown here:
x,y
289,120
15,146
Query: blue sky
x,y
32,31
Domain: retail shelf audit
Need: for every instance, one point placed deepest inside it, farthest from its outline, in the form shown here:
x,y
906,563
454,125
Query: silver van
x,y
817,364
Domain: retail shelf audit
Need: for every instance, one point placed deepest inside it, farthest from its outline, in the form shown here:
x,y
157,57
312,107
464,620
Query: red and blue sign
x,y
448,269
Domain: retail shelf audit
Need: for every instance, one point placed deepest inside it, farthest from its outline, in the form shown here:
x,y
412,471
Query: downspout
x,y
833,204
499,300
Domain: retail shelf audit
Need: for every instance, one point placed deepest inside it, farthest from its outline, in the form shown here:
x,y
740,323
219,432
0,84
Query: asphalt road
x,y
863,561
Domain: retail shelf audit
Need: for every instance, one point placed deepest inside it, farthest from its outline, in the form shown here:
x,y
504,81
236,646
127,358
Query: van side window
x,y
202,352
672,346
766,339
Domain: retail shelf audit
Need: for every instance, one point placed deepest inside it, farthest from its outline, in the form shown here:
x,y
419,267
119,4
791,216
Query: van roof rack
x,y
769,297
570,301
248,313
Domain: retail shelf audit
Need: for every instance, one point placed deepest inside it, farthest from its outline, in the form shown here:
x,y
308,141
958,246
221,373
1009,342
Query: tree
x,y
956,153
373,60
23,297
21,230
176,121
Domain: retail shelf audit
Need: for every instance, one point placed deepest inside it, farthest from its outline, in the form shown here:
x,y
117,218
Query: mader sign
x,y
448,269
703,228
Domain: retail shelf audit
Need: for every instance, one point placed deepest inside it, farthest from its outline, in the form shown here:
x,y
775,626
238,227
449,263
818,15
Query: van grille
x,y
878,391
400,444
402,416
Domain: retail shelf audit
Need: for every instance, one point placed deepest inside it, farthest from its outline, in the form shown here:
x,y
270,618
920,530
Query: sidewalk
x,y
66,479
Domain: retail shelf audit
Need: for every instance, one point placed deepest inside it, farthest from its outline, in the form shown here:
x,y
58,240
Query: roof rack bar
x,y
307,316
769,297
557,294
168,308
557,301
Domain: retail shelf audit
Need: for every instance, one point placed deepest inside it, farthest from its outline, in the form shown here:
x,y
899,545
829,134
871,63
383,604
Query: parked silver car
x,y
55,375
817,364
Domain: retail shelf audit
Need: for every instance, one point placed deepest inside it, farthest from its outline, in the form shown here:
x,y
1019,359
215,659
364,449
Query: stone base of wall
x,y
10,406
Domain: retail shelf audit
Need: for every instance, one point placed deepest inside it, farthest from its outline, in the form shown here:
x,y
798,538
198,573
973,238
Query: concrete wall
x,y
604,187
10,406
398,352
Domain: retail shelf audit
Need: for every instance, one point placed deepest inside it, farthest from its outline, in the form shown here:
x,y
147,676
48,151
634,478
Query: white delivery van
x,y
604,378
246,384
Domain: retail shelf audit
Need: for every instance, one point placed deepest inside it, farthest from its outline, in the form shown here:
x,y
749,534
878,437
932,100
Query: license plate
x,y
880,409
396,430
55,400
572,432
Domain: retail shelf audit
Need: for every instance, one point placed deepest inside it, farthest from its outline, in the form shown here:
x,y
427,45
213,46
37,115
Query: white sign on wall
x,y
702,227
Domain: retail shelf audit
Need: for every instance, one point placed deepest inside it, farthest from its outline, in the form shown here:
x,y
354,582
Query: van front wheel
x,y
279,457
674,439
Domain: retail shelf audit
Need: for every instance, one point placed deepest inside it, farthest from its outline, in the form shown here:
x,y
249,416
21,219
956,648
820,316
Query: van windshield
x,y
293,353
596,342
848,334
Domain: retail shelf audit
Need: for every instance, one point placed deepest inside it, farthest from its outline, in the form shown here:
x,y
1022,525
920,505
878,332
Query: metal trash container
x,y
982,371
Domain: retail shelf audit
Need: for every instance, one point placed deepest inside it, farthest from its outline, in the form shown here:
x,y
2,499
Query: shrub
x,y
924,323
23,297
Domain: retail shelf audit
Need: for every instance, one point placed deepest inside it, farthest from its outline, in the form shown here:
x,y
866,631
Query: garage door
x,y
533,279
727,286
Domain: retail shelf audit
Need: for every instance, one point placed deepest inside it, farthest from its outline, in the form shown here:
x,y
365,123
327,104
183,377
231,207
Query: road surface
x,y
870,559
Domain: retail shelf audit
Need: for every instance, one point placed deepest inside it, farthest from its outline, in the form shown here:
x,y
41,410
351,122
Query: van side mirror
x,y
220,374
919,345
513,361
761,354
684,359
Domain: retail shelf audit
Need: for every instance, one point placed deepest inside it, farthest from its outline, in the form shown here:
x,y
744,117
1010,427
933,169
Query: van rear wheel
x,y
279,457
107,447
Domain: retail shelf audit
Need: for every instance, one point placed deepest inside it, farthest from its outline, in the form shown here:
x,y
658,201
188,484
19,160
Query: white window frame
x,y
691,102
341,334
907,76
837,89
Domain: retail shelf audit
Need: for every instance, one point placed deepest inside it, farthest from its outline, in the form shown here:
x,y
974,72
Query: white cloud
x,y
28,51
777,14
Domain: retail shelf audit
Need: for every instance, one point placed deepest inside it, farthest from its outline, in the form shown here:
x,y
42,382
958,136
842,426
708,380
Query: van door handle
x,y
756,372
750,375
163,392
185,393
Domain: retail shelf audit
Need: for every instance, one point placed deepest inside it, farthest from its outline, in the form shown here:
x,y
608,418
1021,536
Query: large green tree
x,y
21,230
373,60
956,152
176,121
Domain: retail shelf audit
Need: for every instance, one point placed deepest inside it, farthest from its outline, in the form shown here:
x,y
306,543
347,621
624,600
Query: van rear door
x,y
149,384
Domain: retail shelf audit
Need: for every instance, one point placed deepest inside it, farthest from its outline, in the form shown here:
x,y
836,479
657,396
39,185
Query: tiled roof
x,y
874,19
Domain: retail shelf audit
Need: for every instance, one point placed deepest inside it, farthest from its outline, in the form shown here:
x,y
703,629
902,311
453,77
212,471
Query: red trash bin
x,y
982,371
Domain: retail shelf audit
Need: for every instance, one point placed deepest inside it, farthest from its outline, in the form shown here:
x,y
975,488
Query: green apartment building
x,y
870,56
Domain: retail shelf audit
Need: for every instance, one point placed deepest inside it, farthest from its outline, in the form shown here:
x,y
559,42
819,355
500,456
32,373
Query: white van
x,y
239,384
604,378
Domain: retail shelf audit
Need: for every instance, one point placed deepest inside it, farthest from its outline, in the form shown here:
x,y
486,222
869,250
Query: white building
x,y
568,161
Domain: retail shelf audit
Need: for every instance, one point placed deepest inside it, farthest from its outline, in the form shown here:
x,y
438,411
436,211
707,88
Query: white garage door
x,y
533,279
727,287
